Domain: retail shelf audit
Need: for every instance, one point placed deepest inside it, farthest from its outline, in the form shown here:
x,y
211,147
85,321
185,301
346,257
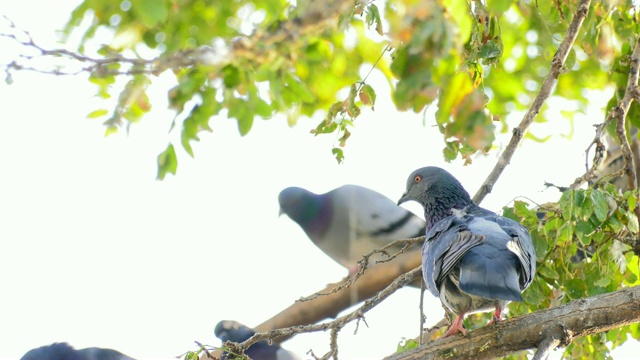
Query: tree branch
x,y
338,323
260,47
561,324
620,115
375,282
375,279
545,92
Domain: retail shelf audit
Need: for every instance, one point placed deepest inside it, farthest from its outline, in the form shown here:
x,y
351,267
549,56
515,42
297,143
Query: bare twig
x,y
365,263
543,94
592,172
338,323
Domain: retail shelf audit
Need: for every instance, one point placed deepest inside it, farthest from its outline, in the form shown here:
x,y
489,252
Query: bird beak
x,y
280,212
403,198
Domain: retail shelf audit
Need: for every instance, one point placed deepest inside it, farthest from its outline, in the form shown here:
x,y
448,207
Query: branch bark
x,y
575,319
543,95
375,279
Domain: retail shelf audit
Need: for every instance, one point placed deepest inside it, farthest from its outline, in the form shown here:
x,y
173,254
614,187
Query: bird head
x,y
435,189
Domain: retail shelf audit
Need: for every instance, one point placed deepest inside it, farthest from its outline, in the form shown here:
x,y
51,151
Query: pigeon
x,y
472,259
229,330
63,351
350,221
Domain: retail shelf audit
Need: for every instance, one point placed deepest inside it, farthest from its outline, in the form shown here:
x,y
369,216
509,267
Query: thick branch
x,y
338,323
578,318
376,279
545,92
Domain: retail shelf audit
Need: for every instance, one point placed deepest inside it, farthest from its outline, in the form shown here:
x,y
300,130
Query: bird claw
x,y
456,327
497,316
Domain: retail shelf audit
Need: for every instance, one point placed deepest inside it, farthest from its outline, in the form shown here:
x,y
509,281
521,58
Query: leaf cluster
x,y
582,247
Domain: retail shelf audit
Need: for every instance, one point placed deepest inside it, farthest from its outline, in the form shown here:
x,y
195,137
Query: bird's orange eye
x,y
417,179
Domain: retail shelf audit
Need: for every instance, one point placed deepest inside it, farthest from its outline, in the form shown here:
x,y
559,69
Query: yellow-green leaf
x,y
97,113
167,162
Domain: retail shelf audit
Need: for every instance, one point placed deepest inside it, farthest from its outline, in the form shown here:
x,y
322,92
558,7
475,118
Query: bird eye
x,y
417,179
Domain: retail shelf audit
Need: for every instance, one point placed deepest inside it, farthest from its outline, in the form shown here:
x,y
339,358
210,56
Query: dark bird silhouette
x,y
62,351
229,330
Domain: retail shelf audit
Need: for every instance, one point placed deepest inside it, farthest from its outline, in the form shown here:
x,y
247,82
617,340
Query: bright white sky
x,y
95,252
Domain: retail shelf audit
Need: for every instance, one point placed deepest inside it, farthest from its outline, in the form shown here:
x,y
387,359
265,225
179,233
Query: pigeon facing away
x,y
62,351
229,330
350,221
472,259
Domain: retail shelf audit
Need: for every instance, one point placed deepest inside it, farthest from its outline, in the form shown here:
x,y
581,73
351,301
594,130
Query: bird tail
x,y
491,278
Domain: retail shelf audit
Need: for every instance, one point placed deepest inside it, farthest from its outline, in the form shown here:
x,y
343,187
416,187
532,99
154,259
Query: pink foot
x,y
497,316
456,327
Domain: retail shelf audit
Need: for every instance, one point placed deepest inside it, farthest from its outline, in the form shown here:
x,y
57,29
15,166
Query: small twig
x,y
365,262
545,92
559,187
339,322
592,172
428,333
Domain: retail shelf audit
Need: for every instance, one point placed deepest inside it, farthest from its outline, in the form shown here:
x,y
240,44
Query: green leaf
x,y
231,76
603,282
338,154
167,162
632,201
499,6
97,113
367,95
566,204
298,88
458,88
548,272
151,12
576,288
373,17
632,223
406,344
600,205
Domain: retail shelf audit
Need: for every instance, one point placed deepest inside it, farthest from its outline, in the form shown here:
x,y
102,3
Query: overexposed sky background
x,y
95,252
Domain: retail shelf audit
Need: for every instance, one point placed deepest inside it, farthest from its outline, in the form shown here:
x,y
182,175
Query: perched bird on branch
x,y
350,221
473,259
229,330
62,351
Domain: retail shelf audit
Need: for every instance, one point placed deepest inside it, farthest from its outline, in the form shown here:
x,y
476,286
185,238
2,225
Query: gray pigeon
x,y
350,221
473,259
229,330
62,351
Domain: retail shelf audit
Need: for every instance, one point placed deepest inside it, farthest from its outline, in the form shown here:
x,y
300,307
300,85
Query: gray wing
x,y
521,245
375,216
446,243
